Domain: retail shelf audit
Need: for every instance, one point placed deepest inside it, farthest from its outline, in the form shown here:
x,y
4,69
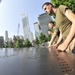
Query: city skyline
x,y
11,14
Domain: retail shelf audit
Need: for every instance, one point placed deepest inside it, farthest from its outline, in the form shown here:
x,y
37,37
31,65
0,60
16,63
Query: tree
x,y
42,38
69,3
11,45
49,38
27,43
37,41
19,43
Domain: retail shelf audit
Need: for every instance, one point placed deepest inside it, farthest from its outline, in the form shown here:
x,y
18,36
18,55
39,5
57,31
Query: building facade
x,y
43,21
1,41
37,29
26,27
6,36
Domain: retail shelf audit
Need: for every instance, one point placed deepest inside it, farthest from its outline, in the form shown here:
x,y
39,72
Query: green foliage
x,y
42,38
37,41
27,43
49,38
19,43
11,45
69,3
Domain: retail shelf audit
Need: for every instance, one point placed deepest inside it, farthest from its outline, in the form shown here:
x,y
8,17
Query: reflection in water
x,y
31,61
6,52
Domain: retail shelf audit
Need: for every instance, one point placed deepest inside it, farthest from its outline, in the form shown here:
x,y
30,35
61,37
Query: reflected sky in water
x,y
33,61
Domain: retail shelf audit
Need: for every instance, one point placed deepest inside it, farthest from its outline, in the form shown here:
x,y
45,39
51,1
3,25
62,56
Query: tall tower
x,y
26,27
6,36
18,29
1,41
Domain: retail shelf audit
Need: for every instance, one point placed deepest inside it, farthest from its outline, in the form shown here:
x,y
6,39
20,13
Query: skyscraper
x,y
6,36
37,29
43,21
1,41
18,29
26,27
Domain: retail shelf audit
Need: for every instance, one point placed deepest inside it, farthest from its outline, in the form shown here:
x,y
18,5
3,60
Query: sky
x,y
11,14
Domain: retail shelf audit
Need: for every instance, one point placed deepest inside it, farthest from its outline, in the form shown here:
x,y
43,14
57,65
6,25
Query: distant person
x,y
65,22
50,32
55,33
